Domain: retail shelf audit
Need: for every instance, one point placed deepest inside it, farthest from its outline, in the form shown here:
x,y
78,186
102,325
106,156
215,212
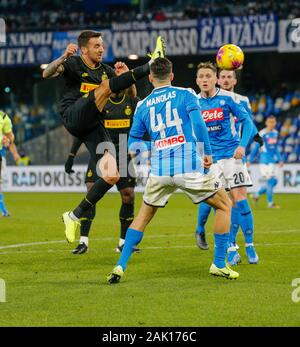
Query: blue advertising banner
x,y
183,37
62,38
32,48
249,32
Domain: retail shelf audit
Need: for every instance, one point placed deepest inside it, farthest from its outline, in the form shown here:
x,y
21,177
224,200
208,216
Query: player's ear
x,y
171,76
150,78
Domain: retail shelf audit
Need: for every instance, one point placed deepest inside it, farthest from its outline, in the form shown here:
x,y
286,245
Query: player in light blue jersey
x,y
225,113
269,156
171,116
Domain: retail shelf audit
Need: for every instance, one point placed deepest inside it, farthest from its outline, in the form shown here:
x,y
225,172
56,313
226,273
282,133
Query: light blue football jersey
x,y
164,115
269,152
219,112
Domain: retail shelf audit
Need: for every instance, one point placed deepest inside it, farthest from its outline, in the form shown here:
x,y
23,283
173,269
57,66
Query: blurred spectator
x,y
58,15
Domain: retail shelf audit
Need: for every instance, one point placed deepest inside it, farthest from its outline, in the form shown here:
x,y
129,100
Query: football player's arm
x,y
278,156
239,111
136,142
254,153
56,67
14,152
120,68
200,130
70,161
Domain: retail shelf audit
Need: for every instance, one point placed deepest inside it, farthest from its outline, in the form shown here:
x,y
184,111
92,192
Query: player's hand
x,y
281,164
248,164
69,164
207,161
70,50
239,152
120,68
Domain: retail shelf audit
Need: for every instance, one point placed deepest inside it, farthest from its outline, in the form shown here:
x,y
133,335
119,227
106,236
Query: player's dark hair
x,y
161,68
207,65
85,36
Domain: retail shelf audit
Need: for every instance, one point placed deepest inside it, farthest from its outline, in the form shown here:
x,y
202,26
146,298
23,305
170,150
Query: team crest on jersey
x,y
85,95
104,76
90,173
222,102
85,74
128,110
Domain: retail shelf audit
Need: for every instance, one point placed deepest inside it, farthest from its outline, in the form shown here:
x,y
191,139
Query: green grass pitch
x,y
168,284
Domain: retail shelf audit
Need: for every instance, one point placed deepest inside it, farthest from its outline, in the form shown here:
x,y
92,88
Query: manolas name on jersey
x,y
218,113
164,115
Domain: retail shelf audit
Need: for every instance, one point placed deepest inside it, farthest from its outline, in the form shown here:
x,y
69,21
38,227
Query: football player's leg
x,y
239,196
271,183
135,232
222,204
234,226
133,237
126,213
85,226
107,172
203,213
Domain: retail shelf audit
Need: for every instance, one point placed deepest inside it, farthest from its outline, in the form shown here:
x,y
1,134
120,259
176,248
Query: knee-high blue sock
x,y
262,191
221,244
2,204
270,186
246,219
132,239
234,226
203,213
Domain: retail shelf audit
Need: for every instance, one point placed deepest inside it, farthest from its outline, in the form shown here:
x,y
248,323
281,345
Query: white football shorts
x,y
196,186
232,173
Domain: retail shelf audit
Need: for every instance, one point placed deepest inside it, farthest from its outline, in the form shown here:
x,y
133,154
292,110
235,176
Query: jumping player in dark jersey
x,y
117,121
82,112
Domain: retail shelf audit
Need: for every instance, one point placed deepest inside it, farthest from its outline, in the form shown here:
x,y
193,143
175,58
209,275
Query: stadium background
x,y
38,32
168,283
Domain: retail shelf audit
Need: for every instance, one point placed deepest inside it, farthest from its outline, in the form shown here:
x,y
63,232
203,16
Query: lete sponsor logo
x,y
212,115
170,142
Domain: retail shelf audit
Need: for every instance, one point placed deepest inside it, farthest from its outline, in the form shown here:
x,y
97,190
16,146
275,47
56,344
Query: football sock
x,y
234,226
203,213
2,204
221,244
128,78
85,227
271,183
99,188
245,219
262,191
84,239
133,238
87,220
126,217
